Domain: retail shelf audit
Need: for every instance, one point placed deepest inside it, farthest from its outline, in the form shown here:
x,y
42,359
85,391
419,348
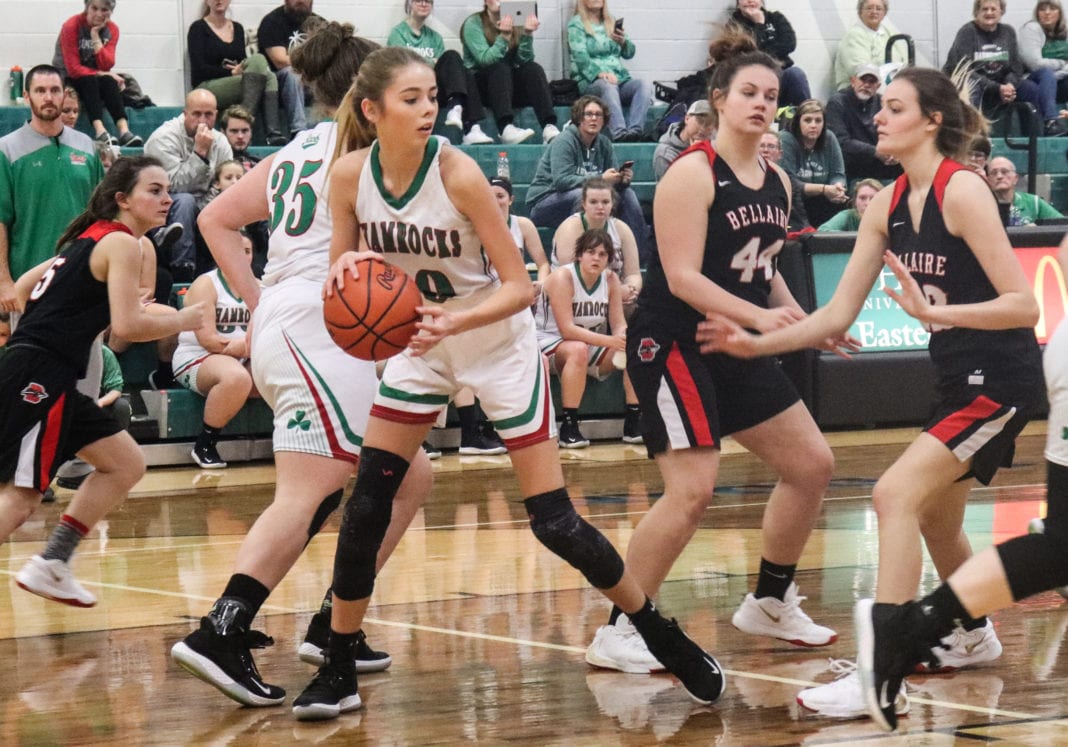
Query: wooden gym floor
x,y
487,629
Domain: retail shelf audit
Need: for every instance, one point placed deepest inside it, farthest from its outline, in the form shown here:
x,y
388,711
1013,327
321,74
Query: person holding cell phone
x,y
598,46
501,54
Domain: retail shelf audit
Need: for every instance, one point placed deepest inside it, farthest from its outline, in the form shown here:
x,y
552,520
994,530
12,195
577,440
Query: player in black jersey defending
x,y
721,215
937,229
44,419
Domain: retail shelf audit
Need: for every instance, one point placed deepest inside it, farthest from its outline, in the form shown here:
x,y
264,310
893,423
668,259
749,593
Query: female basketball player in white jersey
x,y
320,396
477,332
937,229
581,325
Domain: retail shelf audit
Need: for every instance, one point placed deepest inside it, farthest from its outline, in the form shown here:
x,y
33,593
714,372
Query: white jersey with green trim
x,y
422,231
300,225
231,313
589,306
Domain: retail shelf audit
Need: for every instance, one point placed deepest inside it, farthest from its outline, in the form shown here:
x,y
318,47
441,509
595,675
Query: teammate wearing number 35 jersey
x,y
721,217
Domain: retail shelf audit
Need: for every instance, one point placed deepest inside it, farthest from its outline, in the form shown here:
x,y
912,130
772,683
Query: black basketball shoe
x,y
699,672
331,692
219,653
312,650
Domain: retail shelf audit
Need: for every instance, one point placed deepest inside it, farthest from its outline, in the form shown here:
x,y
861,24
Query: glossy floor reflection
x,y
487,630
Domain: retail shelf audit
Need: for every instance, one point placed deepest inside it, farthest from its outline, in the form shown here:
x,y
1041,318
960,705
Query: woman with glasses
x,y
812,154
581,152
1044,43
865,42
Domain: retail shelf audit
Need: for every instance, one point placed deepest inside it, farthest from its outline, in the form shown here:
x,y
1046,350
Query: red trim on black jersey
x,y
945,170
704,146
49,443
102,228
954,425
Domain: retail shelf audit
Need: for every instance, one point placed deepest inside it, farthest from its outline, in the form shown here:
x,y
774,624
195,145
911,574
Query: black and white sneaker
x,y
207,457
225,662
632,431
331,692
483,441
891,642
432,452
697,670
571,437
312,650
161,382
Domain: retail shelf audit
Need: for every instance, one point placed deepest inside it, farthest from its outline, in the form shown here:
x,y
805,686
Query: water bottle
x,y
15,82
502,165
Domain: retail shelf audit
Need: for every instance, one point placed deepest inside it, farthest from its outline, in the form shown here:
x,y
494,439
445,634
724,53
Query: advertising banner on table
x,y
883,326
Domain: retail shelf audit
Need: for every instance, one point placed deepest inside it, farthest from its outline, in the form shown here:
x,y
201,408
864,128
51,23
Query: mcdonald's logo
x,y
1051,310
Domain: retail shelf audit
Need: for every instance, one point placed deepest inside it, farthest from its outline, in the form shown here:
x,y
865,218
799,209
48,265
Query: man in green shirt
x,y
47,174
1024,209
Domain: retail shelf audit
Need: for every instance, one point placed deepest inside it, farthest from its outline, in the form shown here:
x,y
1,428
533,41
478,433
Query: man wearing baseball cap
x,y
850,116
694,127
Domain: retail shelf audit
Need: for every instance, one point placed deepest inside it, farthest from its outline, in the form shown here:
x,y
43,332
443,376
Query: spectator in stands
x,y
37,203
849,219
813,155
989,49
237,124
219,63
85,53
106,154
457,89
226,174
850,116
979,153
598,45
70,108
111,399
581,327
190,150
1044,43
865,43
213,360
1024,209
595,211
694,127
569,160
279,32
523,229
502,57
771,149
775,36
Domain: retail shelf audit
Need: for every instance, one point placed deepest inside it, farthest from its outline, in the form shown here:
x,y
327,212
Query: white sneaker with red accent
x,y
965,648
784,620
53,580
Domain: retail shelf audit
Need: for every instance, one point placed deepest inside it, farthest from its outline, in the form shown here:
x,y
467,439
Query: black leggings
x,y
505,87
97,92
456,82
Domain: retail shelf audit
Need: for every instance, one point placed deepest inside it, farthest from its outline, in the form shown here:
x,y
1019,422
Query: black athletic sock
x,y
774,580
975,623
647,612
342,647
248,590
164,371
942,611
208,436
468,418
614,615
570,414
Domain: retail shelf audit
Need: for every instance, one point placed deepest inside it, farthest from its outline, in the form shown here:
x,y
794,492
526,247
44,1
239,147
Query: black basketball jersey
x,y
68,307
746,231
949,273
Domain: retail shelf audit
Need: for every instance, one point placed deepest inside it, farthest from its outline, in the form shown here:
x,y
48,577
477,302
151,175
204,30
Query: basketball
x,y
373,317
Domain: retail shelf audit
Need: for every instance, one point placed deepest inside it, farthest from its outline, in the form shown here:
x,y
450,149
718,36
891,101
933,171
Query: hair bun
x,y
734,41
321,46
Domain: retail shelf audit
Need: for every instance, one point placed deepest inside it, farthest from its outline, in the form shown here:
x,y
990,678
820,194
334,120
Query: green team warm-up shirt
x,y
45,182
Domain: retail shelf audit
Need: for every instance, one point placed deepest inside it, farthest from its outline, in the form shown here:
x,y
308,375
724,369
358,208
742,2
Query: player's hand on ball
x,y
436,325
346,262
192,317
718,334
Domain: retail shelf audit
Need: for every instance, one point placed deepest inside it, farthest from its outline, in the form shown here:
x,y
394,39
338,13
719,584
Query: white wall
x,y
671,35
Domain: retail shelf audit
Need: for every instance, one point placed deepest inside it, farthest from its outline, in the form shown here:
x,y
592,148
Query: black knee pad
x,y
327,507
559,528
364,523
1056,521
1034,563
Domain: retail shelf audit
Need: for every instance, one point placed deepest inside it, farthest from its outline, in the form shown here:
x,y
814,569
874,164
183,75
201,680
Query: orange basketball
x,y
373,317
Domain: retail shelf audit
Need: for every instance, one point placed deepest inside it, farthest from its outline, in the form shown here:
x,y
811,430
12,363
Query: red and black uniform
x,y
690,399
990,381
44,420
